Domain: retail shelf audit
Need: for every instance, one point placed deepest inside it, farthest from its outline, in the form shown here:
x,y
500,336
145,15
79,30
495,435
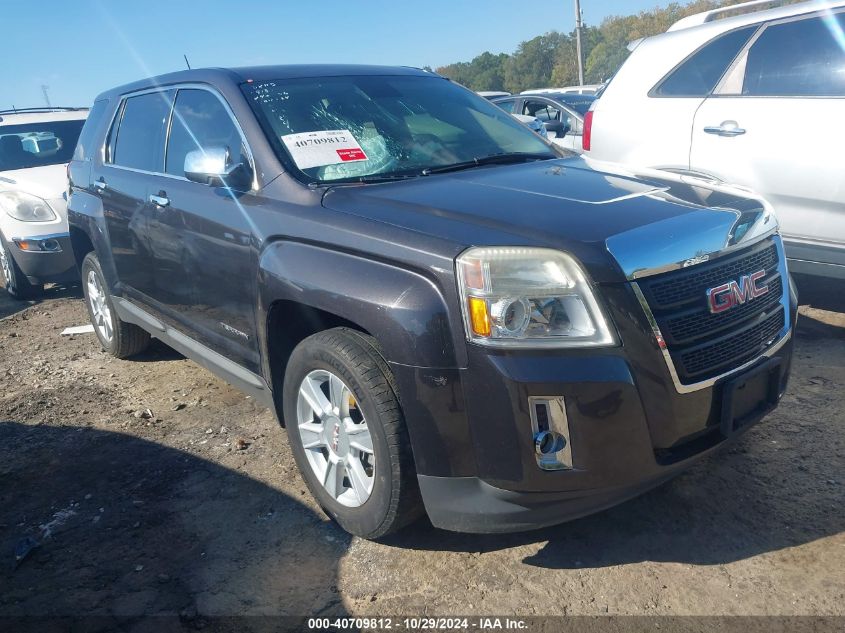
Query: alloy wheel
x,y
100,312
336,439
5,264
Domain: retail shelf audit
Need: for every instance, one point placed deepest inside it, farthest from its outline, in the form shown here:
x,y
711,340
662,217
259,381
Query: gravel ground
x,y
152,487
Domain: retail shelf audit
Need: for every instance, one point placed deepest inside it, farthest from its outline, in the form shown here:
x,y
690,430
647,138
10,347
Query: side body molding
x,y
403,309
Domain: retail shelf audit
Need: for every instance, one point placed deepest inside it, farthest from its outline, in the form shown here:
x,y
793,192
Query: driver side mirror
x,y
212,166
557,129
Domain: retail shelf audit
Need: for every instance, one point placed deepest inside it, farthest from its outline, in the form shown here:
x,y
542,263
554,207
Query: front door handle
x,y
100,184
161,200
728,128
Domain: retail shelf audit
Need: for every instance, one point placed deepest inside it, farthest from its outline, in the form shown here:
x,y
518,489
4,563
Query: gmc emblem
x,y
734,293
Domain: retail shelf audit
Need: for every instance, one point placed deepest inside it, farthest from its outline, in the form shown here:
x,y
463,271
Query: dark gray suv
x,y
446,314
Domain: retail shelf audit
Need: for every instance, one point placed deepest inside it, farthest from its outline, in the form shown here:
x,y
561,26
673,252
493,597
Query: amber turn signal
x,y
479,316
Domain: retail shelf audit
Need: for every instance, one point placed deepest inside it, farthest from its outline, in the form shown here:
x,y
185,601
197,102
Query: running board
x,y
248,382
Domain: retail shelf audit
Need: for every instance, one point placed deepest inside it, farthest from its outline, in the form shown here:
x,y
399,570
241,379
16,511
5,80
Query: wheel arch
x,y
288,323
81,244
305,289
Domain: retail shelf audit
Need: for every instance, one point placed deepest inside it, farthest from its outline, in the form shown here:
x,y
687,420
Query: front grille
x,y
734,349
693,324
703,345
676,288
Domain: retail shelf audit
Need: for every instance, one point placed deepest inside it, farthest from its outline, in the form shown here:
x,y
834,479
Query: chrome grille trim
x,y
783,337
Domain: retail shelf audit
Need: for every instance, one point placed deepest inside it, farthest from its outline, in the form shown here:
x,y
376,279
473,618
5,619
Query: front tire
x,y
17,285
348,434
118,338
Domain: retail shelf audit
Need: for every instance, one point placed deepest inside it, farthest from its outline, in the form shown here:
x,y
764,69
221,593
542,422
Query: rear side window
x,y
85,149
200,121
699,74
805,58
143,126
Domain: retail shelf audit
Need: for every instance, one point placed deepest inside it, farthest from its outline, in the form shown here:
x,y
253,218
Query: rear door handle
x,y
100,184
160,200
728,128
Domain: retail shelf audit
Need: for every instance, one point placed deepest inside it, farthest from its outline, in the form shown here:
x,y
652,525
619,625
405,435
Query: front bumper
x,y
48,258
469,504
630,428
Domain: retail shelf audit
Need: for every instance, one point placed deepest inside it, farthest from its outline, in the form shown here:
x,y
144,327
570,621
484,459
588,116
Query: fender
x,y
403,309
406,312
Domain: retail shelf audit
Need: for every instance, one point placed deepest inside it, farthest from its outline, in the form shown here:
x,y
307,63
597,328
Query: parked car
x,y
754,99
562,114
35,146
444,313
586,89
493,94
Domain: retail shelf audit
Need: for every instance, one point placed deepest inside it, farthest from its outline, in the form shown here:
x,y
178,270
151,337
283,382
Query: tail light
x,y
587,138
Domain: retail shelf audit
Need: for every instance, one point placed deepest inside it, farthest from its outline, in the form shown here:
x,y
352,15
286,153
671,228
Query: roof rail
x,y
43,109
709,16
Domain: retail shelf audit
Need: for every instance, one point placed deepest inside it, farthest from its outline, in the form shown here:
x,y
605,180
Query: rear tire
x,y
17,285
348,434
118,338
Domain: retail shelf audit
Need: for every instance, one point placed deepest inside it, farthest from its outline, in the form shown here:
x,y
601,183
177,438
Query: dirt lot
x,y
196,505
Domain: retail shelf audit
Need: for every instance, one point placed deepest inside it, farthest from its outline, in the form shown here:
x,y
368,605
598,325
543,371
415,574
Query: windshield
x,y
38,144
347,128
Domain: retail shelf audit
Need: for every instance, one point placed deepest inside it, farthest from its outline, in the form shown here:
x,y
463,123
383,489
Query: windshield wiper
x,y
369,179
384,177
493,159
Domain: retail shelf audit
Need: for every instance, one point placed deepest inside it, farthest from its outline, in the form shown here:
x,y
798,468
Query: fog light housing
x,y
550,432
38,245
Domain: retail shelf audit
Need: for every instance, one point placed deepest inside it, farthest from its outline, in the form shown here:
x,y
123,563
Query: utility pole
x,y
578,25
44,89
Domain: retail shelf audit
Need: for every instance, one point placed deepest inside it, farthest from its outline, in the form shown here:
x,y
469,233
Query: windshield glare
x,y
38,144
345,128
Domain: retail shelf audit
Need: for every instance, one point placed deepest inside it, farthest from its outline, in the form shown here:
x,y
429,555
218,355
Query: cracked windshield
x,y
346,128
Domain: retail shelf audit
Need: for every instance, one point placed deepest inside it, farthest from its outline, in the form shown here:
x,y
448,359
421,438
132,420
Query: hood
x,y
48,181
568,205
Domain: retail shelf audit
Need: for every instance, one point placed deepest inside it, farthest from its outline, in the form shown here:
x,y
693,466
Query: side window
x,y
140,137
541,110
576,124
507,106
200,121
84,146
804,58
699,74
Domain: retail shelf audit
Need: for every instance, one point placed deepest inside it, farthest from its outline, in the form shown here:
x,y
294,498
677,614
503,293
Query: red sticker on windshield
x,y
347,155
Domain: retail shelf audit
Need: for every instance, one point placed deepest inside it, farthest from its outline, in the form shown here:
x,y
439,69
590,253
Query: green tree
x,y
485,72
550,60
532,64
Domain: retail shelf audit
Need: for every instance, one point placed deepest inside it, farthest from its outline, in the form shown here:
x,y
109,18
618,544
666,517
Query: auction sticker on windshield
x,y
324,147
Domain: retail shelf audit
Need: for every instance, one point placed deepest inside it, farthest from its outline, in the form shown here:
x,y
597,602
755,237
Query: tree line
x,y
550,60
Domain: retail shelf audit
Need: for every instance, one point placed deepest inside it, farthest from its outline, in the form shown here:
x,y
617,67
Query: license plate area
x,y
750,396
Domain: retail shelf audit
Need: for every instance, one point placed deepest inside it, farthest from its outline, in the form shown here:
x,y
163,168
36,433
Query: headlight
x,y
26,207
529,297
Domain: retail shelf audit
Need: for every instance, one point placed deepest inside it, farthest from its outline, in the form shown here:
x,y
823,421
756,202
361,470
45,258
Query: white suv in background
x,y
36,144
756,99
